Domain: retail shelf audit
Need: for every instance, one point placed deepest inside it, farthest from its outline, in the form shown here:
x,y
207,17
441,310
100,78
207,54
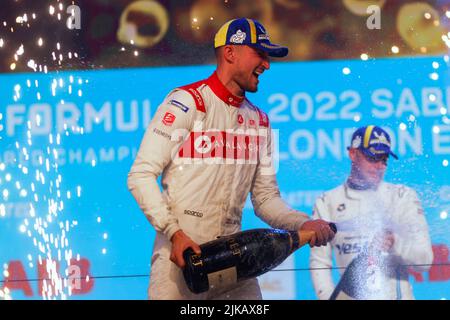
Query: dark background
x,y
312,29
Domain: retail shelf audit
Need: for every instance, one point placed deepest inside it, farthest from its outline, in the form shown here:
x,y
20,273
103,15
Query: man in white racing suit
x,y
212,147
370,214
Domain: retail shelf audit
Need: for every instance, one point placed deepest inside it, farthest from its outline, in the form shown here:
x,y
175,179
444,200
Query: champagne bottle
x,y
363,277
240,256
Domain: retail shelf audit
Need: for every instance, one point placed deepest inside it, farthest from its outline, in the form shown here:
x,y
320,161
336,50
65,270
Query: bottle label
x,y
222,278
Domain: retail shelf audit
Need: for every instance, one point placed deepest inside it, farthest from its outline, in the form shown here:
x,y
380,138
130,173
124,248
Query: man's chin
x,y
252,89
374,182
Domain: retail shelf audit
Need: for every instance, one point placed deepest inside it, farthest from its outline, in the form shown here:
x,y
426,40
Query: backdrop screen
x,y
68,140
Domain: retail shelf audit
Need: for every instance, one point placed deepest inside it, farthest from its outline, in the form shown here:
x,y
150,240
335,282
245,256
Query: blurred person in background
x,y
374,216
207,177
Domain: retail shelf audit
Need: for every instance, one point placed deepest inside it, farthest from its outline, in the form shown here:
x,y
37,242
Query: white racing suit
x,y
360,215
212,149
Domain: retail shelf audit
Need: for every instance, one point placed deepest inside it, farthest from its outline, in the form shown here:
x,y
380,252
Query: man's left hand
x,y
383,241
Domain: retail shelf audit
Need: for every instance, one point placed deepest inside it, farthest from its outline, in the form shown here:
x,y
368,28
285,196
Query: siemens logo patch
x,y
162,133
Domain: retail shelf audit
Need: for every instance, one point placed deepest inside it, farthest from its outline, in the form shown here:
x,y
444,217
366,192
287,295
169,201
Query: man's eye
x,y
262,54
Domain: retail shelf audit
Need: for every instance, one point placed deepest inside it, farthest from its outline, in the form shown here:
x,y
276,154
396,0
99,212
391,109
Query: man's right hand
x,y
181,242
323,232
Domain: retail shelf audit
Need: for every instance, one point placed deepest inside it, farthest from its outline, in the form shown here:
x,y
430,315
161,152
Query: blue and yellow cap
x,y
373,141
248,32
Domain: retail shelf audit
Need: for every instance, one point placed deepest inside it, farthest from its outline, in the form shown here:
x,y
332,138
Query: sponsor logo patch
x,y
162,133
263,37
193,213
179,105
351,248
263,120
198,99
240,119
356,142
168,119
380,138
238,37
341,207
224,145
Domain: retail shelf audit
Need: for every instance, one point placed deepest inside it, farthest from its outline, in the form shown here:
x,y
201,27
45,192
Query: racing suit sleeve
x,y
172,122
413,244
320,259
265,194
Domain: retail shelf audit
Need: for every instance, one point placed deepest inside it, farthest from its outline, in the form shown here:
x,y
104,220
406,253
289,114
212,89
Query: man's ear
x,y
352,154
229,53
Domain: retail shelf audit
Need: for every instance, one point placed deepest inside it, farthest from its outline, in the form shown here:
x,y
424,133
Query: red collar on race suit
x,y
222,92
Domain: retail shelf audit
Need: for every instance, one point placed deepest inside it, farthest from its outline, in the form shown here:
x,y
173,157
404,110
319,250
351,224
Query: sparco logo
x,y
197,96
193,213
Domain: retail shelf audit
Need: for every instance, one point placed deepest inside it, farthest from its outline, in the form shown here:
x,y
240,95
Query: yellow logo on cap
x,y
367,135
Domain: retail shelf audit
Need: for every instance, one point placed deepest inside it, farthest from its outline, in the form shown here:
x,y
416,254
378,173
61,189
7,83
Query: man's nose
x,y
266,63
380,165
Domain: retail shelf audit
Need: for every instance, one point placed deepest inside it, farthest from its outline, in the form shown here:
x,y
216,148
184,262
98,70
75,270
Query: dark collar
x,y
355,186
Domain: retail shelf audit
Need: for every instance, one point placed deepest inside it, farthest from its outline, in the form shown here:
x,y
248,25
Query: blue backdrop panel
x,y
68,140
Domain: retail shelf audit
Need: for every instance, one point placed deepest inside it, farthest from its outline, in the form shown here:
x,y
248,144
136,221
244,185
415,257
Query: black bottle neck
x,y
295,240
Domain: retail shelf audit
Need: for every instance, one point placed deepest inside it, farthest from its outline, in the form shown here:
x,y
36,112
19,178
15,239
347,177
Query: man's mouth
x,y
375,174
257,73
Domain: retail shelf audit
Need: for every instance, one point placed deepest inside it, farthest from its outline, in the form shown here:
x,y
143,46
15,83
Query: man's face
x,y
368,170
250,64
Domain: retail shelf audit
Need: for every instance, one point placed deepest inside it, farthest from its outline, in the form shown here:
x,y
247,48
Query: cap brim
x,y
370,154
273,50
